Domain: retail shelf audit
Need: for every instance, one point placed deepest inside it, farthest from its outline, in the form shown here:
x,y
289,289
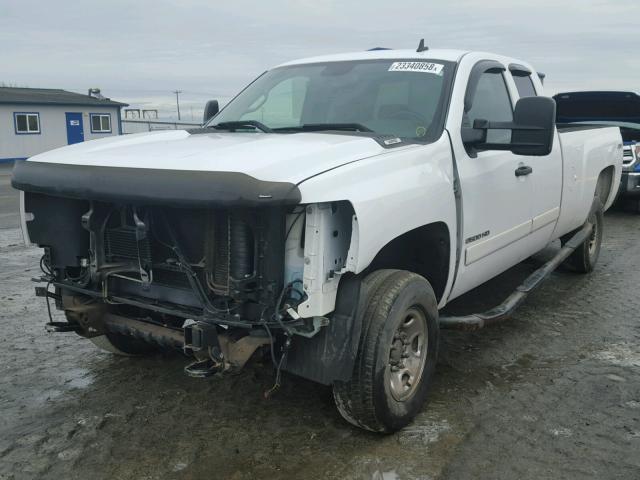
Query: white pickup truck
x,y
324,217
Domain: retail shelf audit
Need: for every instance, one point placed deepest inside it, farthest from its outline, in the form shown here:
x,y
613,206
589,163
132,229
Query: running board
x,y
502,312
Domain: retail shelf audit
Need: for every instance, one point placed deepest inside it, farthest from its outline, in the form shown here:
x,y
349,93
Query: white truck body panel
x,y
524,210
396,192
440,54
285,158
584,157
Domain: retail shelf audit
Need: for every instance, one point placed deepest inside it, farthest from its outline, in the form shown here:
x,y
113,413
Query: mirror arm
x,y
471,136
505,146
494,146
487,125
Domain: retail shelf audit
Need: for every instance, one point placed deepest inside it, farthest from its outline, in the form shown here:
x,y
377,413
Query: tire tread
x,y
355,398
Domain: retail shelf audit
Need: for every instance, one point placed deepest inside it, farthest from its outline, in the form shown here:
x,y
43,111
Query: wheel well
x,y
424,250
604,184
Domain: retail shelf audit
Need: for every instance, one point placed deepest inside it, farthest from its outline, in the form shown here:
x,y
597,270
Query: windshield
x,y
388,97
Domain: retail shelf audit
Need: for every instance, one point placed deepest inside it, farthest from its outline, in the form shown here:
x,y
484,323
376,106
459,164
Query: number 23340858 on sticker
x,y
422,67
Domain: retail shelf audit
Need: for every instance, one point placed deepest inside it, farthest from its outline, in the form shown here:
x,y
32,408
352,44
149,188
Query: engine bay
x,y
243,266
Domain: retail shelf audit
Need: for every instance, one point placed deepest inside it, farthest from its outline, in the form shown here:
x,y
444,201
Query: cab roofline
x,y
447,55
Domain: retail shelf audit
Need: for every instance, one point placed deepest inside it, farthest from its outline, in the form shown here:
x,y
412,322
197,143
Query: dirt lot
x,y
554,393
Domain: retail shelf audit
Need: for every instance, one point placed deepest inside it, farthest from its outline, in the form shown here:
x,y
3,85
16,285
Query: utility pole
x,y
178,92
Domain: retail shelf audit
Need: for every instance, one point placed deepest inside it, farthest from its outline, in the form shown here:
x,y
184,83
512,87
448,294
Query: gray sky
x,y
138,52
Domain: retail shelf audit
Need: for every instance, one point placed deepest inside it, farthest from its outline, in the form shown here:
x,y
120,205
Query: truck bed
x,y
586,150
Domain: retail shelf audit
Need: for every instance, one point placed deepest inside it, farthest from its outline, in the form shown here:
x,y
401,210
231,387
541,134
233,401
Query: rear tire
x,y
584,258
397,353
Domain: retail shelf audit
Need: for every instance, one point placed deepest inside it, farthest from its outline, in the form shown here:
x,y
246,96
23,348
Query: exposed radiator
x,y
228,251
120,243
218,254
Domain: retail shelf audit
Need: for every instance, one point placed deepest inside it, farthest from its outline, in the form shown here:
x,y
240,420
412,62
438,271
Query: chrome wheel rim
x,y
408,354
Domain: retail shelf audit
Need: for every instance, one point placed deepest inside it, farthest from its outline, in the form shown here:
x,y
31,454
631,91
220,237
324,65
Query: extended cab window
x,y
491,102
524,84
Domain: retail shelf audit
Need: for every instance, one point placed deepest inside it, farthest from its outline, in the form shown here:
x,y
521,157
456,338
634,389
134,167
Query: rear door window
x,y
524,84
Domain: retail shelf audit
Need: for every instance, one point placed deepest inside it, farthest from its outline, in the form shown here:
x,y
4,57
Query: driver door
x,y
496,195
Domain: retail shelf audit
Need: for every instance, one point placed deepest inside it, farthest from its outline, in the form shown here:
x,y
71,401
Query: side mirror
x,y
211,109
532,129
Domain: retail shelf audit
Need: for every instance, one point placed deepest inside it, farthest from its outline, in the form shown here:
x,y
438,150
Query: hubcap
x,y
407,355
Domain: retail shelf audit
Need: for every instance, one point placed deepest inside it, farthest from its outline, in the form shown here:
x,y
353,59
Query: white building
x,y
34,120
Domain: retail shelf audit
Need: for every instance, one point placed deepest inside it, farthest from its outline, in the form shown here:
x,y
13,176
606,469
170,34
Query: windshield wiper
x,y
321,127
235,125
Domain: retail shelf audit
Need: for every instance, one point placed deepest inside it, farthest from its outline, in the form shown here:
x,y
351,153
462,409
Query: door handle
x,y
523,170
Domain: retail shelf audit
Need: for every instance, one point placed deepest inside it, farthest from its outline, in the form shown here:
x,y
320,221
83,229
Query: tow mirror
x,y
532,129
211,109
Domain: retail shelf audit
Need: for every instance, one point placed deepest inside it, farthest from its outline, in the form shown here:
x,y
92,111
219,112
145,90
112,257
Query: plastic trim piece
x,y
519,70
478,69
151,186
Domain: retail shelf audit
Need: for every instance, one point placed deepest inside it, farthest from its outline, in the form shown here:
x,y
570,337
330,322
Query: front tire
x,y
397,353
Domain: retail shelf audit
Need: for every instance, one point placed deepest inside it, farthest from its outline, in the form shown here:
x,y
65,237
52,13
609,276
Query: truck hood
x,y
288,158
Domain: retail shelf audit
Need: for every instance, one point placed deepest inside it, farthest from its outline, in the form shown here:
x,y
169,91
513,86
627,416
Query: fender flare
x,y
330,355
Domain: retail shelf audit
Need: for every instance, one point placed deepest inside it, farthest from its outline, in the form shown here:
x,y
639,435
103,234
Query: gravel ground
x,y
554,393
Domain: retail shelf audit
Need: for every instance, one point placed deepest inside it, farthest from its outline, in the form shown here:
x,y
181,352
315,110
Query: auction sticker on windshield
x,y
422,67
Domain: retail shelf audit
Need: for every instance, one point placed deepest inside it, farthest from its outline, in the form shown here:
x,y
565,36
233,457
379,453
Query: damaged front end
x,y
216,278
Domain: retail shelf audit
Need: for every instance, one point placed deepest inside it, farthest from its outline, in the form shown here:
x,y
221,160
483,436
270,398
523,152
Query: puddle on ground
x,y
423,434
46,396
621,354
76,378
390,475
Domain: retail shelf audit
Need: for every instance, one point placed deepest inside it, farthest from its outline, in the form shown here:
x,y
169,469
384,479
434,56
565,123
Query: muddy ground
x,y
554,393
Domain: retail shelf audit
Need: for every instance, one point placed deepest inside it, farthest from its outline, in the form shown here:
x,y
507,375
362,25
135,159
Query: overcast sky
x,y
139,51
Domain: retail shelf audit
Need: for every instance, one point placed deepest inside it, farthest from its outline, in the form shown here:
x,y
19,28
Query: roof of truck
x,y
449,55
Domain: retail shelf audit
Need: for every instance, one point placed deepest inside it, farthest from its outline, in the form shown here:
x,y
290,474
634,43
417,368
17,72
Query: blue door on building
x,y
75,131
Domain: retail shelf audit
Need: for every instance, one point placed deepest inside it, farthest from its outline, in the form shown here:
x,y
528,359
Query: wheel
x,y
122,344
584,258
397,353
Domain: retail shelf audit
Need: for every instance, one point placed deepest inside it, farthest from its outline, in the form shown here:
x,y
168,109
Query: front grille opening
x,y
220,246
230,258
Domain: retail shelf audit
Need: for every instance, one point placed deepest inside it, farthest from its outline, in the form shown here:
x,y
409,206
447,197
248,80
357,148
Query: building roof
x,y
52,96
